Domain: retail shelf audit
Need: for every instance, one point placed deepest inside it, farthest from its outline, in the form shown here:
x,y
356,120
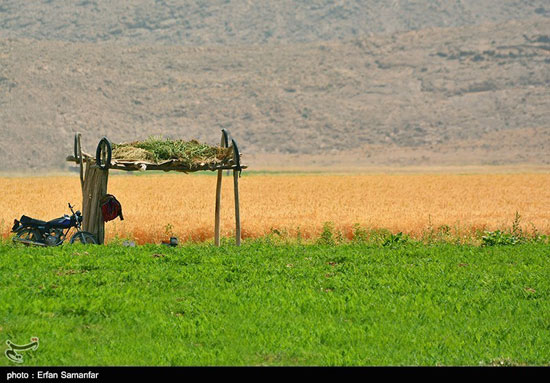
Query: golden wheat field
x,y
158,206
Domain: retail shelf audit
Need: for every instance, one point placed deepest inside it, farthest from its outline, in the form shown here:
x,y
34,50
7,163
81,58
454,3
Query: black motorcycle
x,y
30,231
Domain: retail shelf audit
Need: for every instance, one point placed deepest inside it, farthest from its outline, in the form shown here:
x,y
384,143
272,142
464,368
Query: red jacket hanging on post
x,y
111,208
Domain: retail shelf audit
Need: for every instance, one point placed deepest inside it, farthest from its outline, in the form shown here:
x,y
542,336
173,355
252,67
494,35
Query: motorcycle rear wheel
x,y
27,234
84,238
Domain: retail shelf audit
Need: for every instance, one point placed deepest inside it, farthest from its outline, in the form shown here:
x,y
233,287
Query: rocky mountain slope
x,y
471,94
222,22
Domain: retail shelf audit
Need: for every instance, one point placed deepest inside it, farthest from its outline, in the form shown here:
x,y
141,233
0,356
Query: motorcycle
x,y
30,231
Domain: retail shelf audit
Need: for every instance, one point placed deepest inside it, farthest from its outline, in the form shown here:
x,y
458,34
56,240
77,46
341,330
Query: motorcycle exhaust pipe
x,y
28,242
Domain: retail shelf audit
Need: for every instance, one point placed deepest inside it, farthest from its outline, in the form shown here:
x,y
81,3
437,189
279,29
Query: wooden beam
x,y
165,166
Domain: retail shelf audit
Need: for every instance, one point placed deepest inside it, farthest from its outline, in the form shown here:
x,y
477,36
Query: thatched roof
x,y
169,155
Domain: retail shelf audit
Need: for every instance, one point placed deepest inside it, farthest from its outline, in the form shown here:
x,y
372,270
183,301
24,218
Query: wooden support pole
x,y
224,144
236,175
218,207
94,189
237,212
78,153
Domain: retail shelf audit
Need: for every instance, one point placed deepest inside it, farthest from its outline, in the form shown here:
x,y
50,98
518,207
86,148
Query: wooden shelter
x,y
94,177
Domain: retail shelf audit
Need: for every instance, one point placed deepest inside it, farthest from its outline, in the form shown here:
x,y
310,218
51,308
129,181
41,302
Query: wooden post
x,y
224,144
237,213
78,155
94,189
236,175
218,207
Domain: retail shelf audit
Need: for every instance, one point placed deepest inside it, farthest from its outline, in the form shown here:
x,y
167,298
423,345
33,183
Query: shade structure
x,y
94,176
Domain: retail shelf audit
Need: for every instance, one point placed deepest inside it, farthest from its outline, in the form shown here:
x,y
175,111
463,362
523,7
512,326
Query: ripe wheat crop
x,y
159,206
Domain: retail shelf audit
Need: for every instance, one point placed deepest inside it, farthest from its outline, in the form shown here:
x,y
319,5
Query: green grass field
x,y
266,304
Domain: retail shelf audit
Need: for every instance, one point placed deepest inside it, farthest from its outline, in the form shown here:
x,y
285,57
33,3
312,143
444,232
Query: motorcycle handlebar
x,y
71,207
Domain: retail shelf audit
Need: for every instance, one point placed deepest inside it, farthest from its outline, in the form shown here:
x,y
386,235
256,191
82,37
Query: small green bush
x,y
359,234
499,238
395,240
327,235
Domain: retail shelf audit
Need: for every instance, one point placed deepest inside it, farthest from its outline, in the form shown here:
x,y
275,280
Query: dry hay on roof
x,y
157,150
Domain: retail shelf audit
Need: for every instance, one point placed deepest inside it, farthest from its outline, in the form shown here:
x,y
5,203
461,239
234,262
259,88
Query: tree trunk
x,y
94,189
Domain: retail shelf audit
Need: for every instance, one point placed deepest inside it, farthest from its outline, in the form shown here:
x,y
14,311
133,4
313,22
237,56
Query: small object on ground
x,y
129,244
172,243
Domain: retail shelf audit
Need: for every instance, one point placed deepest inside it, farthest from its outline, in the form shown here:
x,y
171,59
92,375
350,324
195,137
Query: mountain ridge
x,y
223,22
474,94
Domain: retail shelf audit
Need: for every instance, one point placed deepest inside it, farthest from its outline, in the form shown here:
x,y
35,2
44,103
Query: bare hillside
x,y
467,95
222,22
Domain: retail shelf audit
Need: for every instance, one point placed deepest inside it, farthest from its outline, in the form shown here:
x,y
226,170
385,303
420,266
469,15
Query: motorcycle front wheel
x,y
84,238
27,236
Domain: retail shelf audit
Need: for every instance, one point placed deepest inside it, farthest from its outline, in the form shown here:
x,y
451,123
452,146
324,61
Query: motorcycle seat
x,y
57,223
28,221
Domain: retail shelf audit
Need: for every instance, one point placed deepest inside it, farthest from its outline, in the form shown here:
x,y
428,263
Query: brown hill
x,y
466,95
223,22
